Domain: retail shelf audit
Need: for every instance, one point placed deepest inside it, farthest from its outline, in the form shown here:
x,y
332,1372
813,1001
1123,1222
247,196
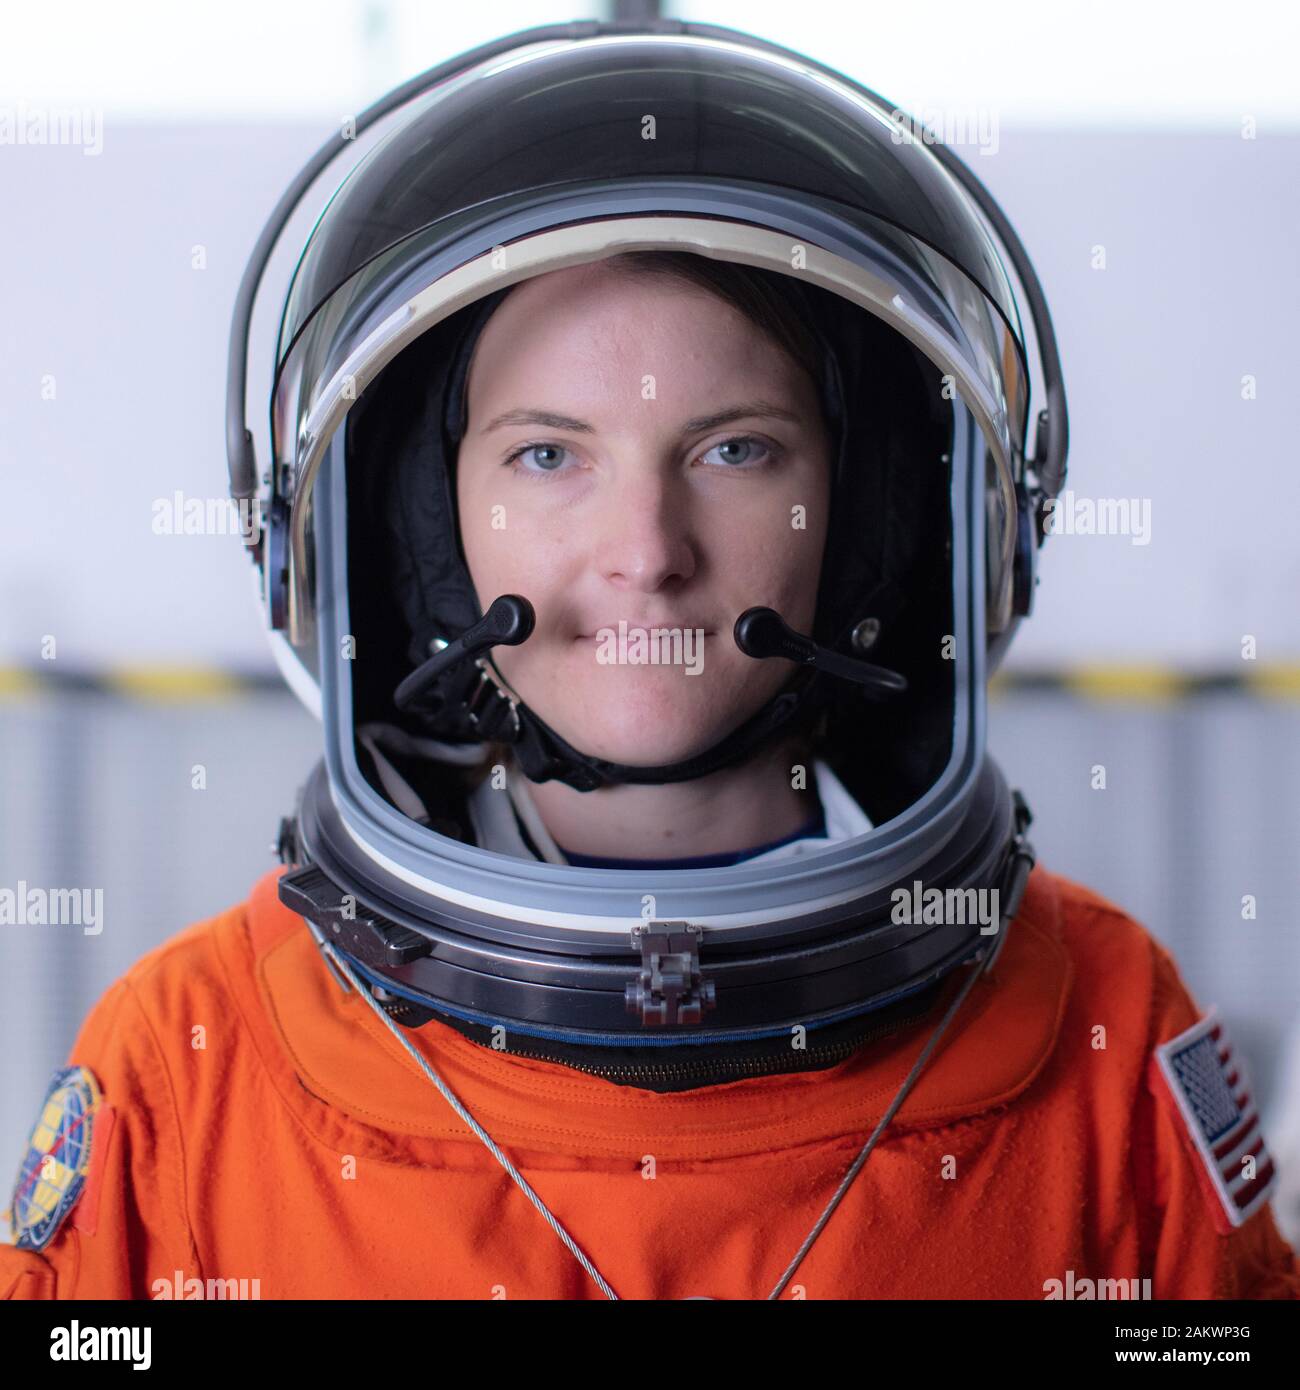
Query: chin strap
x,y
492,712
543,754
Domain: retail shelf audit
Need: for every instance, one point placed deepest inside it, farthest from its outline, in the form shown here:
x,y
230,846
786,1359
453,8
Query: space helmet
x,y
557,147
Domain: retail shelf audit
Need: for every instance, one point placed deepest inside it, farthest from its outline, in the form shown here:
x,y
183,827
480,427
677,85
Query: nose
x,y
643,533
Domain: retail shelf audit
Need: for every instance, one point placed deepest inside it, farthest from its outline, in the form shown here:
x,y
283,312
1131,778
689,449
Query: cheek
x,y
775,551
508,551
501,544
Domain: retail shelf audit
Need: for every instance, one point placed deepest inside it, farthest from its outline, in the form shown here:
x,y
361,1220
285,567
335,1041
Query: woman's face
x,y
638,450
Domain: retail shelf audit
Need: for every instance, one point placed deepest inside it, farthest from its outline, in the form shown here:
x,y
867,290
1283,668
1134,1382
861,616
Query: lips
x,y
633,627
650,626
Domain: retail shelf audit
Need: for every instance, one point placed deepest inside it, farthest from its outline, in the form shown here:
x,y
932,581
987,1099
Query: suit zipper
x,y
723,1066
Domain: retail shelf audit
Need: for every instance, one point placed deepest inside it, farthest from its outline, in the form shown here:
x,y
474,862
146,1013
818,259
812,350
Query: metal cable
x,y
454,1102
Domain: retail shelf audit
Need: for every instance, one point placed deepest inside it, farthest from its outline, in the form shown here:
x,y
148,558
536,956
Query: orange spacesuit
x,y
256,1124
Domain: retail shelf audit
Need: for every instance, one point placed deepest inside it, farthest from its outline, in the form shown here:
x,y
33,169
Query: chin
x,y
644,718
636,741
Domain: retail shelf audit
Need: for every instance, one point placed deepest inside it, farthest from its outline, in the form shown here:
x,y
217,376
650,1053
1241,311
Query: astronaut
x,y
651,331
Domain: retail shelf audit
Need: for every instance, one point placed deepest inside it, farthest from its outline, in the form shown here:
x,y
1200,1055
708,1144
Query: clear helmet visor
x,y
952,492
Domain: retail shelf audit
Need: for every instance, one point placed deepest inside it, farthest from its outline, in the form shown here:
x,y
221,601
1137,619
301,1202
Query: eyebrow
x,y
749,410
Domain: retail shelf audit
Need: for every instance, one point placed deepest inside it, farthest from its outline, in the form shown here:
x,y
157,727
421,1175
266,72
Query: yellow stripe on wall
x,y
1277,682
1147,684
173,685
16,683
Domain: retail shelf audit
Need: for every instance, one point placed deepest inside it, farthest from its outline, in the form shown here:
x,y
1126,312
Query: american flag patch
x,y
1207,1078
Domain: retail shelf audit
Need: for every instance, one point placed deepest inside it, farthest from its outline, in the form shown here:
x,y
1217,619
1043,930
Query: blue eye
x,y
530,448
747,442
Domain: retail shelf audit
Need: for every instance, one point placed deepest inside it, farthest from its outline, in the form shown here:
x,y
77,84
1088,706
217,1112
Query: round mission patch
x,y
53,1173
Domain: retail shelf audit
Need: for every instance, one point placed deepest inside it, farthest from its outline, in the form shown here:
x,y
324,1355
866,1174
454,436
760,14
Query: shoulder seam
x,y
176,1121
273,1074
1142,1151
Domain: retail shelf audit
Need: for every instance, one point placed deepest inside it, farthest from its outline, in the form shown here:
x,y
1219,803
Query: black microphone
x,y
508,622
762,632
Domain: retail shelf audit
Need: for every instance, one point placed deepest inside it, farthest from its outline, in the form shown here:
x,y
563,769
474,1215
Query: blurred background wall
x,y
1148,157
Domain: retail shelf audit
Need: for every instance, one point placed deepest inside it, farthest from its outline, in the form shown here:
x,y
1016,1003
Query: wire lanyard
x,y
984,958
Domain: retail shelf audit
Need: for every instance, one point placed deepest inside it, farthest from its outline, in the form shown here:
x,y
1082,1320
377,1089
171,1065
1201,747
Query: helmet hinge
x,y
371,938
